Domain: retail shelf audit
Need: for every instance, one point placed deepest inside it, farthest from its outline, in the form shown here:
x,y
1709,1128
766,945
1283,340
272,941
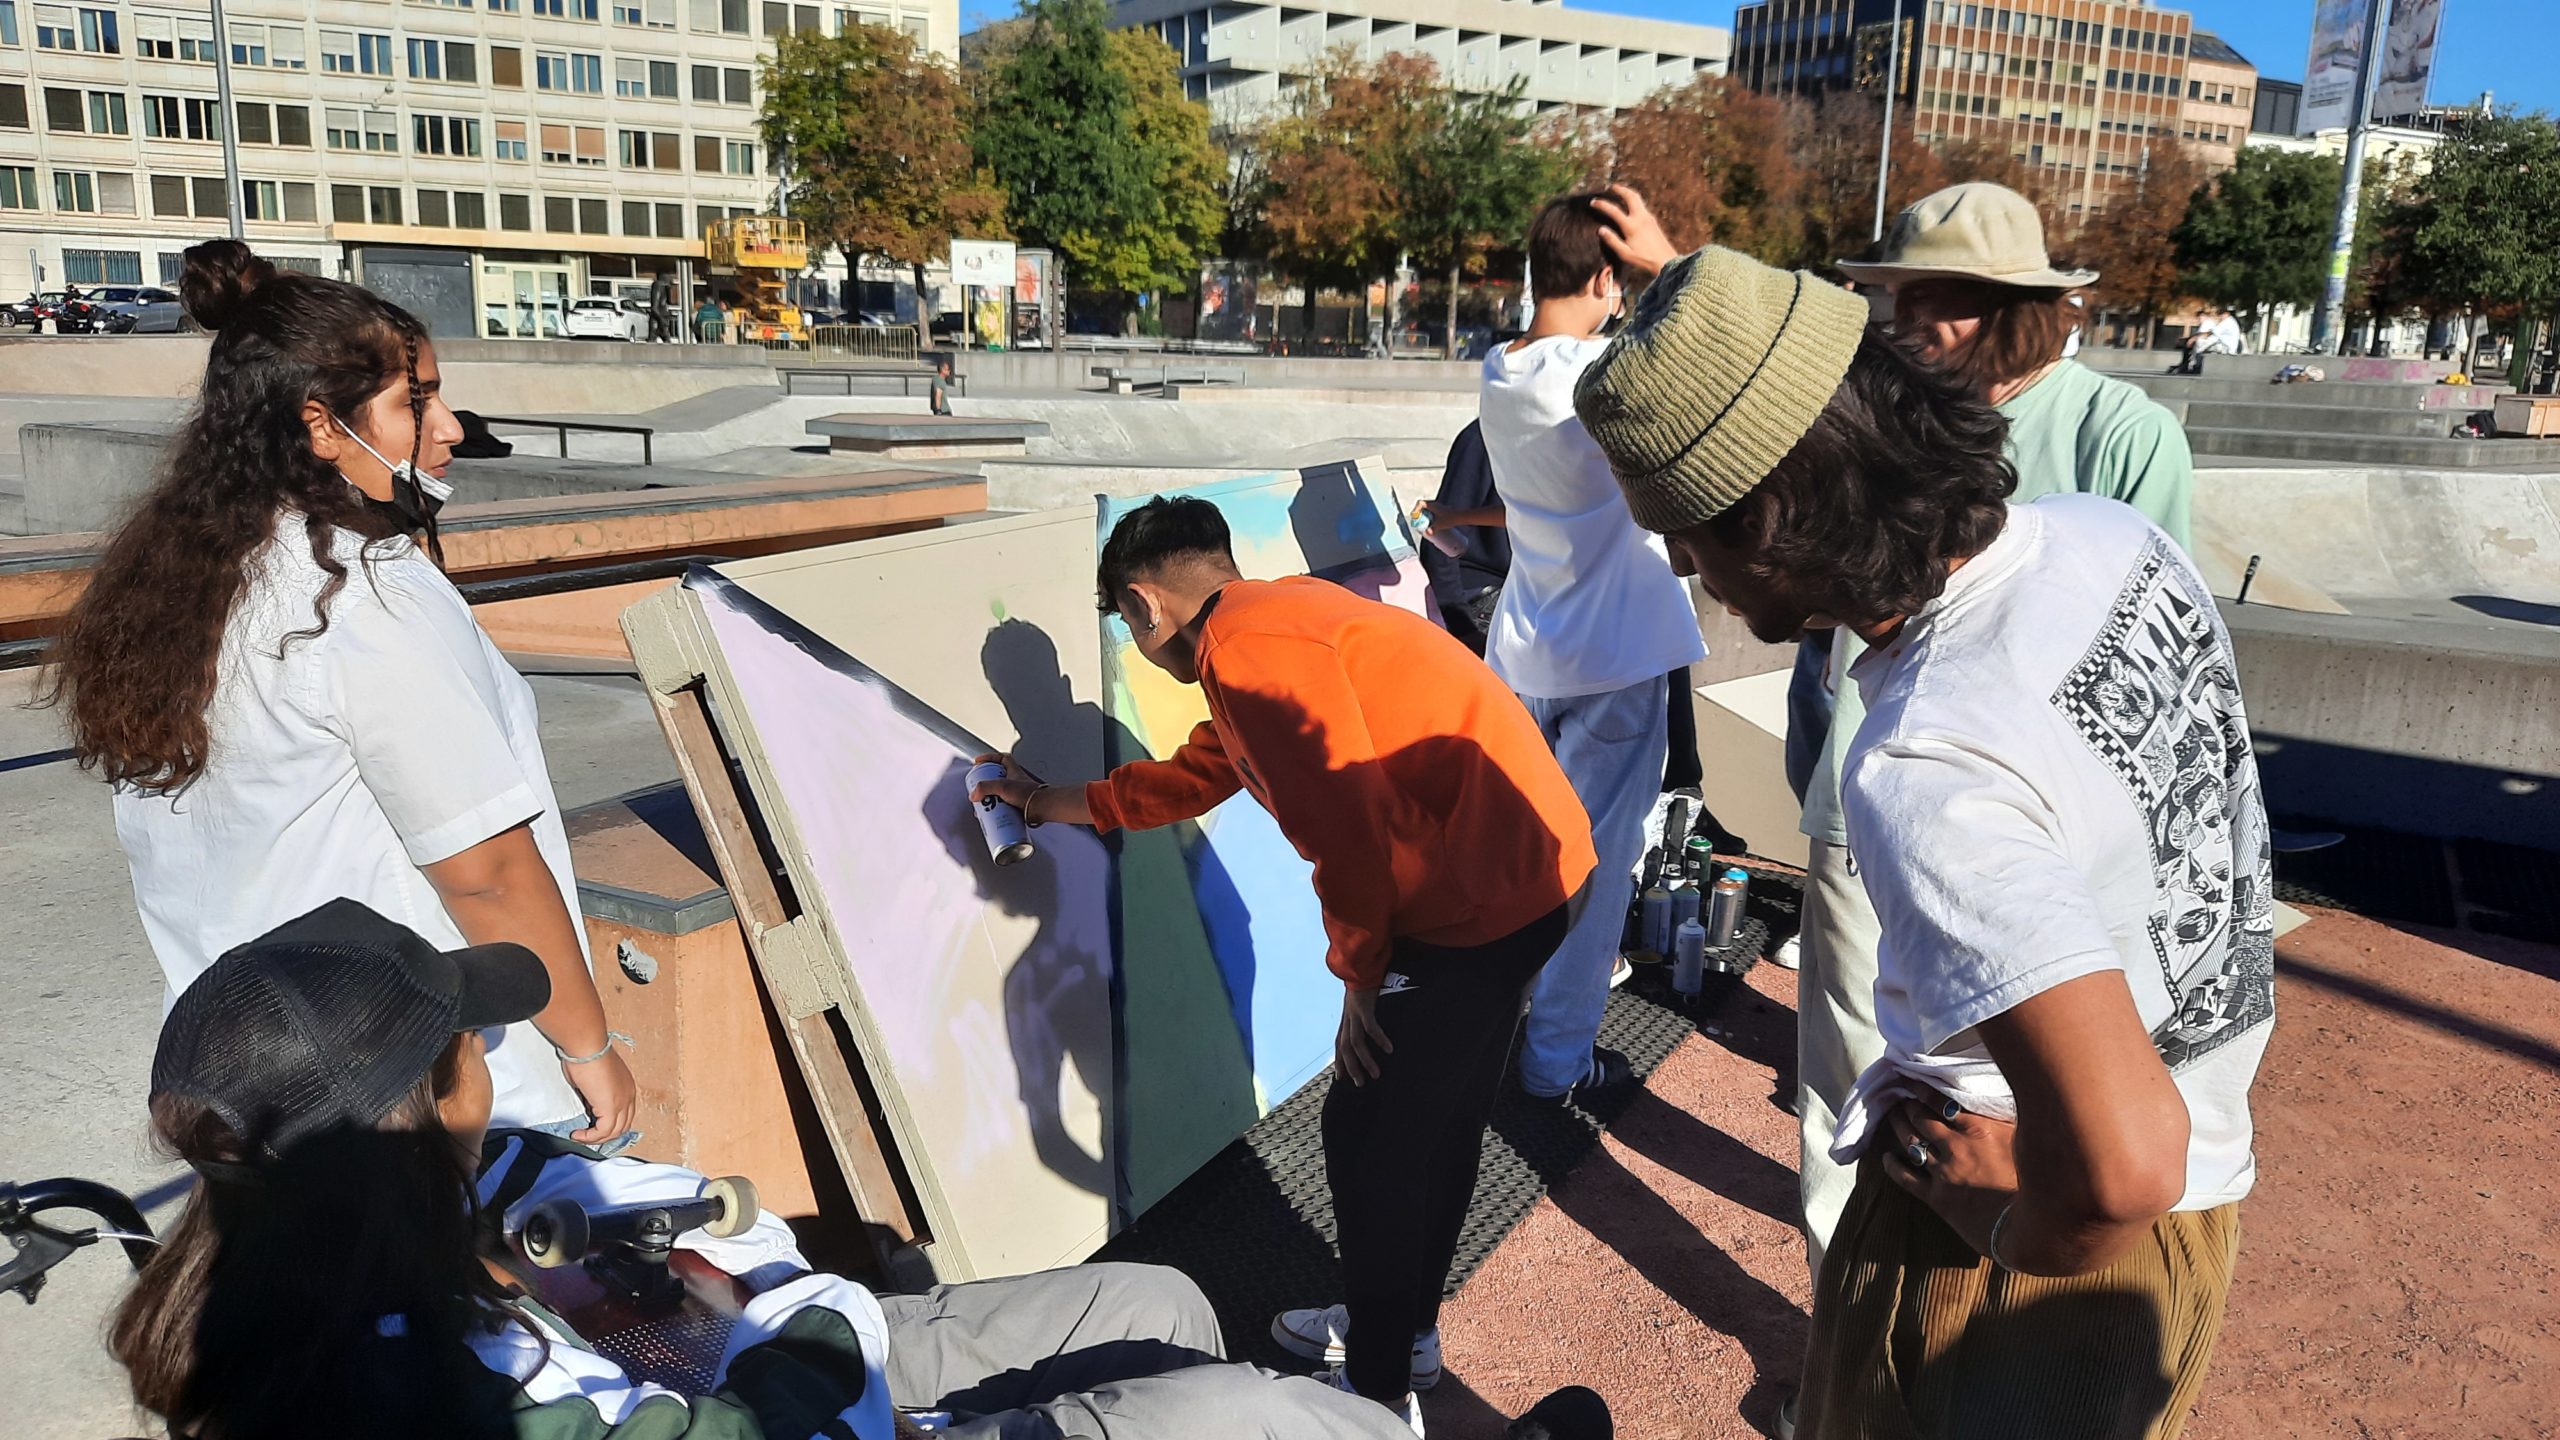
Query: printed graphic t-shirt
x,y
2054,779
1592,604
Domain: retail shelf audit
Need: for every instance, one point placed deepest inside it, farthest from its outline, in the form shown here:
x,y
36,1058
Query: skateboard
x,y
617,1279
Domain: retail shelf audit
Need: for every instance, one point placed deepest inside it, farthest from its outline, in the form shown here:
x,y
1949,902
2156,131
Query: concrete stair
x,y
2355,449
2320,419
2174,390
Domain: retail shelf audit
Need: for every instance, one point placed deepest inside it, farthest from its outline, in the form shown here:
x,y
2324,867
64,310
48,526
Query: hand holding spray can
x,y
1448,544
1008,834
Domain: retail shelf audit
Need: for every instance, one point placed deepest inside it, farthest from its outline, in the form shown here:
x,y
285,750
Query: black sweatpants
x,y
1401,1151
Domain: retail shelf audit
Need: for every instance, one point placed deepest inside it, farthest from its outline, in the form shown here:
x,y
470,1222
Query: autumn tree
x,y
873,134
1332,205
1473,179
1713,160
2130,244
1100,156
1837,138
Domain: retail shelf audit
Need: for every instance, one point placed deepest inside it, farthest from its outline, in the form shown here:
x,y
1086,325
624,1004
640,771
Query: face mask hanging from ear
x,y
416,495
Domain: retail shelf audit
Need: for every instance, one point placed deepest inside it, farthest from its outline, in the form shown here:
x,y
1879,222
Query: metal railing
x,y
865,342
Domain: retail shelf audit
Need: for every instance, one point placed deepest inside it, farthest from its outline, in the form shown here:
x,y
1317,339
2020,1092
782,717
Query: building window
x,y
506,66
343,129
382,132
726,16
346,204
257,122
783,19
470,210
570,71
155,37
631,79
426,60
261,200
102,267
456,135
63,111
706,154
8,22
566,9
706,84
555,145
649,150
18,188
591,217
670,221
655,14
434,210
515,212
85,28
915,29
635,217
169,196
510,140
293,126
738,86
738,157
301,203
382,204
560,214
590,145
107,114
75,190
662,80
337,52
13,107
248,44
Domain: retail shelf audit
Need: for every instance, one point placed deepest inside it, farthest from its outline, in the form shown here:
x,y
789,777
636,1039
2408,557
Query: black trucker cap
x,y
330,1019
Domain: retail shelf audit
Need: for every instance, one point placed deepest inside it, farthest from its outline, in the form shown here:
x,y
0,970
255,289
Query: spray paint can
x,y
1684,904
1008,837
1724,909
1653,919
1448,544
1699,856
1689,959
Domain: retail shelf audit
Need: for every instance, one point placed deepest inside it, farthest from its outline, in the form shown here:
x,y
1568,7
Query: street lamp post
x,y
228,119
1892,82
2328,321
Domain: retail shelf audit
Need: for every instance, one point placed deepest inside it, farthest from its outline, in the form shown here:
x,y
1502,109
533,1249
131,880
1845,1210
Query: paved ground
x,y
2397,1272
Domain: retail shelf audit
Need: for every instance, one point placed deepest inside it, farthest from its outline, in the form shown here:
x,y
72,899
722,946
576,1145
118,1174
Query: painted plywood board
x,y
993,624
979,997
1260,930
1742,750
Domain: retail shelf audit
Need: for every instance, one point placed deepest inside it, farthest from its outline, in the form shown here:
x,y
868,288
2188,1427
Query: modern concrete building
x,y
481,163
2077,87
1245,60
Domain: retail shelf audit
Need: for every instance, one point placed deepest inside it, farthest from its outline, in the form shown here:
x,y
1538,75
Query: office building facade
x,y
483,161
2077,88
1247,61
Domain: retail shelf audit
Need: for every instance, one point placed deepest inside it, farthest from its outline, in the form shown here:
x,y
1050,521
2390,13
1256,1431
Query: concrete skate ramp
x,y
2386,534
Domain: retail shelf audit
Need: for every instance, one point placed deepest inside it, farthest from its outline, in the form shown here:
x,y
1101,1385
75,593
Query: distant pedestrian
x,y
2053,804
710,322
1466,585
2218,335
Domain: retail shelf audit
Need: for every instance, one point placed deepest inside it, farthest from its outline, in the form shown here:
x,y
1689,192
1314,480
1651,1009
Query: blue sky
x,y
2500,45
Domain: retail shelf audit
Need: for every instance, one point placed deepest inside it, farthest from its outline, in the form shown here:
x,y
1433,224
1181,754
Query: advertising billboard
x,y
2337,47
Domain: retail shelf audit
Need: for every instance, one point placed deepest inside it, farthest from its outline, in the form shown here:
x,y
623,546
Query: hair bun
x,y
219,277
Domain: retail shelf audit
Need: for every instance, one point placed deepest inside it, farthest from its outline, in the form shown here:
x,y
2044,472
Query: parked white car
x,y
601,317
154,310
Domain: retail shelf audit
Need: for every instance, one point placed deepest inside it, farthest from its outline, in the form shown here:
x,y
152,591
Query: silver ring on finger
x,y
1918,1154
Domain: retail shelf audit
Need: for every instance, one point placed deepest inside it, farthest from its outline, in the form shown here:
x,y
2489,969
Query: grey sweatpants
x,y
1100,1352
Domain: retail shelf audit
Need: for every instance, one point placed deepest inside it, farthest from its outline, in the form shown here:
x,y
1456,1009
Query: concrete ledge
x,y
2447,453
2444,730
2273,414
927,437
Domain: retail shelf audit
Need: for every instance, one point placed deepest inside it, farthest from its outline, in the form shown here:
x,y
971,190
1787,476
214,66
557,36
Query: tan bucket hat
x,y
1974,231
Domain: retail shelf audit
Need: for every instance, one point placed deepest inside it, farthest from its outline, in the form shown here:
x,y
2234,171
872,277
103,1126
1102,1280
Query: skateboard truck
x,y
33,1247
628,1247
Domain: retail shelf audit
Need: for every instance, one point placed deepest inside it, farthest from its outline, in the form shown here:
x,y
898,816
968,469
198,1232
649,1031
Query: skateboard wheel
x,y
737,1197
555,1234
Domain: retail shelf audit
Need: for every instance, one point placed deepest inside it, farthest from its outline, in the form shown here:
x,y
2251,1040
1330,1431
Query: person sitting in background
x,y
1589,627
344,1263
2052,803
1449,851
2218,335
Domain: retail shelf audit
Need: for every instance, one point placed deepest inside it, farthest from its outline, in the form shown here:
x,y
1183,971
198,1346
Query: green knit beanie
x,y
1724,367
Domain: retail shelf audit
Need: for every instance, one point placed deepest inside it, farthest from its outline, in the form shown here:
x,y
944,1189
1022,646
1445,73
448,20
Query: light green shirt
x,y
2075,429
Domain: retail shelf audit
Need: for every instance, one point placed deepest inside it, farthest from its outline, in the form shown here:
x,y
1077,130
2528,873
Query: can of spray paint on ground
x,y
1008,837
1689,961
1447,543
1653,919
1724,910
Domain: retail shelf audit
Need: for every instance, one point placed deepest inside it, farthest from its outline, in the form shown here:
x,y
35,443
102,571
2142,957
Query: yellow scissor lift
x,y
759,254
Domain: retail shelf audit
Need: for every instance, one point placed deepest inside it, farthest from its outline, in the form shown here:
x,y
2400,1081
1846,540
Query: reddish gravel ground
x,y
2396,1270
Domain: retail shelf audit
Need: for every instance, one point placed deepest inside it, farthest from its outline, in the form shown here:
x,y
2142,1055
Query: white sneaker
x,y
1410,1412
1620,972
1790,954
1317,1335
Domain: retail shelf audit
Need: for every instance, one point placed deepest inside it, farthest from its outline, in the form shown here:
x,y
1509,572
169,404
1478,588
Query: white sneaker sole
x,y
1328,1351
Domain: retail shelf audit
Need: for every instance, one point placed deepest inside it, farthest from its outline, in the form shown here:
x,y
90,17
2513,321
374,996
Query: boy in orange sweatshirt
x,y
1448,851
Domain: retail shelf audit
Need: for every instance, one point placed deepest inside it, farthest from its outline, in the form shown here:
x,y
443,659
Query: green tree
x,y
1100,156
1330,201
2258,236
1473,178
873,137
2483,223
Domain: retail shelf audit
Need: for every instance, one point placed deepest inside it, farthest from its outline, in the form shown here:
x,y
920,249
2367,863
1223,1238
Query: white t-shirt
x,y
1591,604
2054,779
2226,334
339,766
